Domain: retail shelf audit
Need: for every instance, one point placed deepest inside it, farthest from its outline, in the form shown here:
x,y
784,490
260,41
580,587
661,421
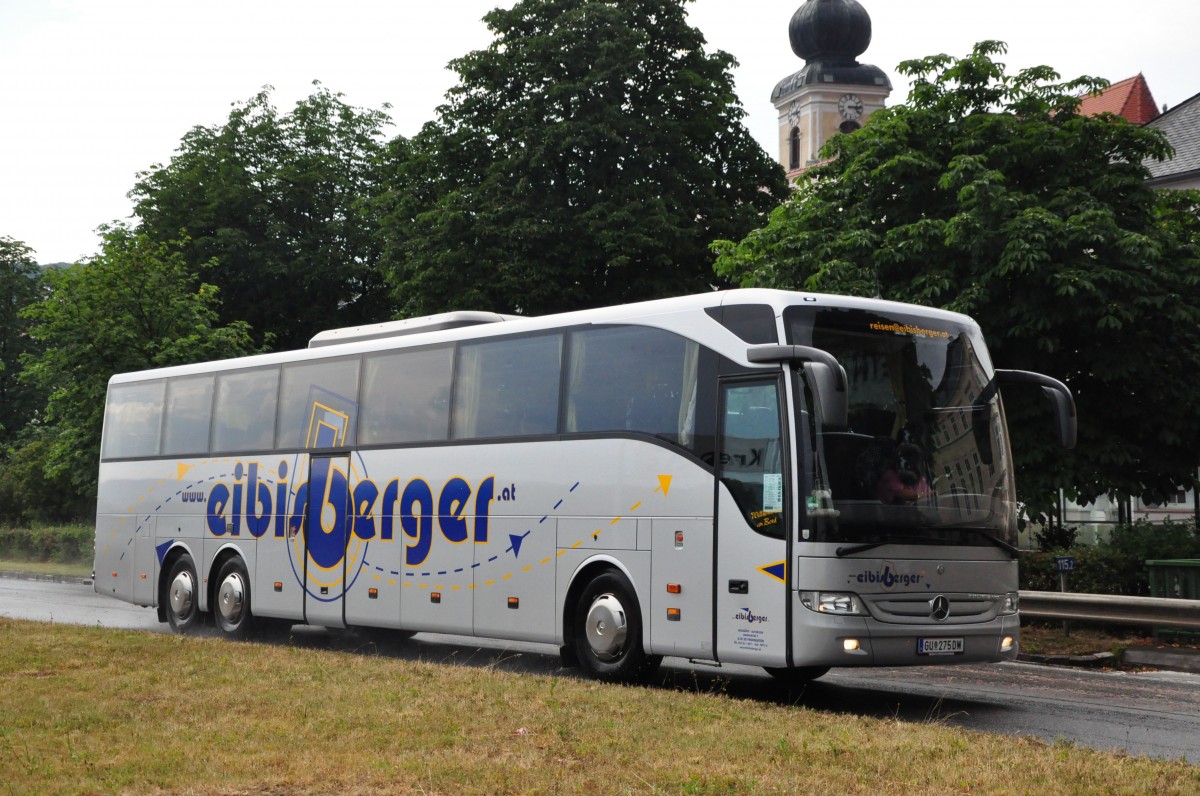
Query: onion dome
x,y
833,31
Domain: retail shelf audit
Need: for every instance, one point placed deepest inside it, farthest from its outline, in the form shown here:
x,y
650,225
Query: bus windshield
x,y
924,458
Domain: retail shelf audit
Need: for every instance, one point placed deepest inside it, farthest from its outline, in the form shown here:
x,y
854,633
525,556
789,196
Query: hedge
x,y
1114,567
62,544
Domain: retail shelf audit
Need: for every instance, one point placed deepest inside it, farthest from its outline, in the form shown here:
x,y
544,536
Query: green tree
x,y
587,157
280,203
20,285
987,193
28,495
135,305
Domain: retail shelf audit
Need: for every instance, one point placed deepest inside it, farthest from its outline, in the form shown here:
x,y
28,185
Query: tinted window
x,y
632,379
753,323
406,396
189,409
133,419
318,404
508,387
245,410
751,462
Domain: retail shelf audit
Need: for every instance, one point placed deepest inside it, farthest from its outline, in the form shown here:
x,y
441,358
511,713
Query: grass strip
x,y
77,569
92,710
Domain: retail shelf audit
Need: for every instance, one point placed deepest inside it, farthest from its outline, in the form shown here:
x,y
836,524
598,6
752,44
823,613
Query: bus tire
x,y
231,606
796,675
182,595
608,631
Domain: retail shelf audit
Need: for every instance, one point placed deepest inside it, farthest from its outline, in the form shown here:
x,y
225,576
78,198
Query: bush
x,y
66,544
1055,537
1117,566
29,497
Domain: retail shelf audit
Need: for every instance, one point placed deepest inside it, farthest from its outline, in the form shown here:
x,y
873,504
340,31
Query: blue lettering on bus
x,y
416,518
328,529
889,578
342,511
258,503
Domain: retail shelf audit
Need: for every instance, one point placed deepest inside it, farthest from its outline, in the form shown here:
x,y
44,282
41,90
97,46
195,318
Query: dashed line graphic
x,y
664,486
421,579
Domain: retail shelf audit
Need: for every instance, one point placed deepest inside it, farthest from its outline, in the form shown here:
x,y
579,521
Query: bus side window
x,y
508,387
318,404
632,379
244,417
189,412
406,396
133,420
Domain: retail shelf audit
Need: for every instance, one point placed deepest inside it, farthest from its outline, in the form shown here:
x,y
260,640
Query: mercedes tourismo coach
x,y
789,480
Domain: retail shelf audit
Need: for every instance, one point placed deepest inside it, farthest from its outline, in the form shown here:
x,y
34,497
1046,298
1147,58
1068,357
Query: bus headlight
x,y
833,602
1011,604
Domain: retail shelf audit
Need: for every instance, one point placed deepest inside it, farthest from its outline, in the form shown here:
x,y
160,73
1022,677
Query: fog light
x,y
850,644
1007,644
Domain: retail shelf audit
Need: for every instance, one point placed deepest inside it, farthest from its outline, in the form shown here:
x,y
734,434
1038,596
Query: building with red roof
x,y
1130,98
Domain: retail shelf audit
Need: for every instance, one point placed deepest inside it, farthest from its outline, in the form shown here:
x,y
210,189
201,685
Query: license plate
x,y
939,646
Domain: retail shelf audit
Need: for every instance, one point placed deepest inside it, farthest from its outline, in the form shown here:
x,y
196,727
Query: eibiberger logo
x,y
887,577
343,511
748,616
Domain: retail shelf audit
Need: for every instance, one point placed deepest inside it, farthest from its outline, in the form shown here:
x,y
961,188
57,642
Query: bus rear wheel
x,y
233,600
183,610
608,631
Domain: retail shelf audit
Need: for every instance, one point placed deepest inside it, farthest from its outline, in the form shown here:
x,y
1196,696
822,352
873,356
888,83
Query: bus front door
x,y
326,534
751,522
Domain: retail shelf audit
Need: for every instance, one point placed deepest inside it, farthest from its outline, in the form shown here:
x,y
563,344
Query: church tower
x,y
833,92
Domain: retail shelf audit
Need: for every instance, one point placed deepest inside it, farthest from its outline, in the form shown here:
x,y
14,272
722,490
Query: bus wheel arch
x,y
230,595
179,591
603,625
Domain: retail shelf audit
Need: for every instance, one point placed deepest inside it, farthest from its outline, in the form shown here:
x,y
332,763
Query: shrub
x,y
28,496
1117,566
61,544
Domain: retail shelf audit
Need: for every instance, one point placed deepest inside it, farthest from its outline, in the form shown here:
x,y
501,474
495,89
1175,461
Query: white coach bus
x,y
789,480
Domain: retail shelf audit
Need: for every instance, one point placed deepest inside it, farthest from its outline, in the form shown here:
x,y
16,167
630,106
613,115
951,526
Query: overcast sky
x,y
94,91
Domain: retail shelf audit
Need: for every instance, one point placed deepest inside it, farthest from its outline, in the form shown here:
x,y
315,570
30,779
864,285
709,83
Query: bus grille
x,y
919,609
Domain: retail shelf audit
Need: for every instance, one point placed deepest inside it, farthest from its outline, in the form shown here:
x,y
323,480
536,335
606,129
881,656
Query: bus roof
x,y
673,314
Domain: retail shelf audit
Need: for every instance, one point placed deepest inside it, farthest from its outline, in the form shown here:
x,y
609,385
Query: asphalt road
x,y
1154,714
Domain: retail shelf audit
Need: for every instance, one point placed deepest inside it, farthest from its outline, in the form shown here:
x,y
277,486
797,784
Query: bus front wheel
x,y
608,631
233,599
183,610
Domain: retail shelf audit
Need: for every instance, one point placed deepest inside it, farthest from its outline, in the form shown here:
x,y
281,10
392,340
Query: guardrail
x,y
1114,609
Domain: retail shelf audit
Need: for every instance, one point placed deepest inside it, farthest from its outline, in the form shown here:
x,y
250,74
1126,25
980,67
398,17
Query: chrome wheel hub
x,y
606,627
230,598
182,593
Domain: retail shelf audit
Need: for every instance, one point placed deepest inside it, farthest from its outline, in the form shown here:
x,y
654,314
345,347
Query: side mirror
x,y
1059,395
825,376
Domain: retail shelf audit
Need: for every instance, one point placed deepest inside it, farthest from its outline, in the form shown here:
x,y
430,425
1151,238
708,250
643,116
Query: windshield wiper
x,y
865,546
861,548
1003,545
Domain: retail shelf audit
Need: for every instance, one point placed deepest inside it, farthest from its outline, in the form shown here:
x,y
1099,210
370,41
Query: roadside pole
x,y
1064,564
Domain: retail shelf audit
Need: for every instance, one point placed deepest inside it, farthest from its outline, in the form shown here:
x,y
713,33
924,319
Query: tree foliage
x,y
20,285
588,156
134,306
279,202
987,193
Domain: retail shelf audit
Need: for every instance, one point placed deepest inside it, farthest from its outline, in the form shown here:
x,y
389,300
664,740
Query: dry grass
x,y
1049,638
78,569
86,710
